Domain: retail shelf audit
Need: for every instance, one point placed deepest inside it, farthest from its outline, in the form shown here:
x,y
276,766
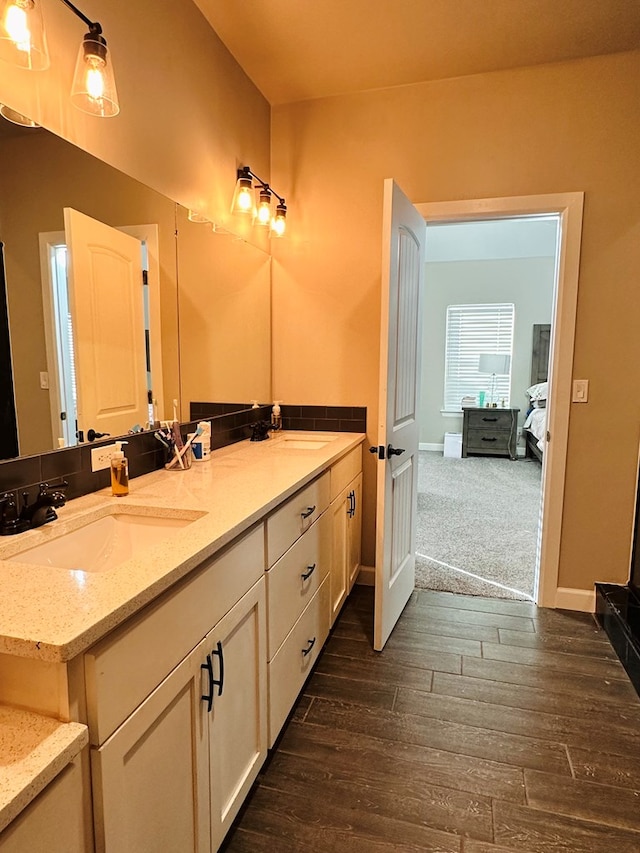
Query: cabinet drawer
x,y
488,442
290,667
491,419
123,669
295,516
288,592
345,469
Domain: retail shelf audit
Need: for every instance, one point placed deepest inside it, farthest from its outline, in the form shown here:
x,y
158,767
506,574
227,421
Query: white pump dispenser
x,y
276,415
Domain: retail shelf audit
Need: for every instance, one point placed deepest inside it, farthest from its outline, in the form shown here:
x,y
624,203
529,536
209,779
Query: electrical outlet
x,y
101,456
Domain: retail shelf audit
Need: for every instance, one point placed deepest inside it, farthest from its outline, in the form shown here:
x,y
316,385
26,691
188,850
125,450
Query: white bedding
x,y
536,423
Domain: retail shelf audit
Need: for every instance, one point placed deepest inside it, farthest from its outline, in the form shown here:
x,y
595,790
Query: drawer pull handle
x,y
219,683
490,420
310,645
208,699
489,439
309,572
309,511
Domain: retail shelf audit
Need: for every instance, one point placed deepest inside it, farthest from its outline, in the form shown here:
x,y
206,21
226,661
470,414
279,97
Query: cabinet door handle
x,y
309,511
219,683
309,572
208,699
484,438
310,645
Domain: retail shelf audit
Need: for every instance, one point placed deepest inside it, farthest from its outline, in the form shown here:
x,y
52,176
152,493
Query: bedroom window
x,y
473,330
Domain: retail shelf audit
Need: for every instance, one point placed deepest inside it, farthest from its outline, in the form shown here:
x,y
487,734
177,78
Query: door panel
x,y
106,295
403,240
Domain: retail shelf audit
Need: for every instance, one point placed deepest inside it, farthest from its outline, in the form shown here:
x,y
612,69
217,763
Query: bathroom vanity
x,y
181,662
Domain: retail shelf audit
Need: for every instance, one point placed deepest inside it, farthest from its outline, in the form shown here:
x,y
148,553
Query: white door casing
x,y
105,289
403,248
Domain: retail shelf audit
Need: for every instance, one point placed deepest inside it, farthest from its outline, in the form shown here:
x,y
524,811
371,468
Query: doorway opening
x,y
564,213
489,286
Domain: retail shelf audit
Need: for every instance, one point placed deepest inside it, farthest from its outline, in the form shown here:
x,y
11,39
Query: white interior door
x,y
105,291
403,242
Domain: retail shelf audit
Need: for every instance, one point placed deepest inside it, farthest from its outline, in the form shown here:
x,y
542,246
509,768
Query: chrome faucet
x,y
42,509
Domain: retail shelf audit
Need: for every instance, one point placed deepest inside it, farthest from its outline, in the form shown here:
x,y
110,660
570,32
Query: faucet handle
x,y
10,522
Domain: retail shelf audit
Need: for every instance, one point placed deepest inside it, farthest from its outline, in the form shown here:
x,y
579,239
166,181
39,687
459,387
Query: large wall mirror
x,y
204,304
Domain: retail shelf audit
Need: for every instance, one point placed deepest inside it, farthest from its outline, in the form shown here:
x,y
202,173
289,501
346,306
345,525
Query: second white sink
x,y
104,543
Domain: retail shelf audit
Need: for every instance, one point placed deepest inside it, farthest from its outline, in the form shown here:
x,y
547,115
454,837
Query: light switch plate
x,y
580,391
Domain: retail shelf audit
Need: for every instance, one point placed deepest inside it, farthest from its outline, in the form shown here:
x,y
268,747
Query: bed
x,y
535,425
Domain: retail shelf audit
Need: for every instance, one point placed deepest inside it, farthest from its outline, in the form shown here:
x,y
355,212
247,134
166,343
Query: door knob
x,y
394,451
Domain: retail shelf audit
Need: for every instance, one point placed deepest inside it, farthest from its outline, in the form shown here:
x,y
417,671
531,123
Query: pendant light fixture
x,y
23,43
94,87
243,201
23,40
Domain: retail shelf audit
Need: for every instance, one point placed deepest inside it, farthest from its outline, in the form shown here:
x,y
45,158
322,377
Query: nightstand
x,y
490,432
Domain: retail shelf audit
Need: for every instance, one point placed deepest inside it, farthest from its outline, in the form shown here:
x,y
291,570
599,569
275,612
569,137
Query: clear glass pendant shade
x,y
94,86
23,40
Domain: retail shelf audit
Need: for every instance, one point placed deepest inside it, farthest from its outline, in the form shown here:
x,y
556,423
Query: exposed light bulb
x,y
17,25
22,37
279,221
244,200
264,207
94,78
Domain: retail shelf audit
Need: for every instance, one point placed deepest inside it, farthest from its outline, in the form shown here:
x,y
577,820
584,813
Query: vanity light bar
x,y
243,201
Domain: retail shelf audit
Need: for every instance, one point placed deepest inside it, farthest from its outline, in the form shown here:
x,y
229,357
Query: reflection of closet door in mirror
x,y
8,428
106,295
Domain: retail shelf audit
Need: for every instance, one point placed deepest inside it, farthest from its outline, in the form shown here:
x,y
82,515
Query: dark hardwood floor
x,y
485,726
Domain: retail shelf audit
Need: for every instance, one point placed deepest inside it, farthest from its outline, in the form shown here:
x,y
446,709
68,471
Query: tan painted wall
x,y
189,114
567,127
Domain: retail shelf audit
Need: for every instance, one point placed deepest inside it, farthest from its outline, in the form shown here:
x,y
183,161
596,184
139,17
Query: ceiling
x,y
300,49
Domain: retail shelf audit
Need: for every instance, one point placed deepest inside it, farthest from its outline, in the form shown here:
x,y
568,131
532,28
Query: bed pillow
x,y
538,392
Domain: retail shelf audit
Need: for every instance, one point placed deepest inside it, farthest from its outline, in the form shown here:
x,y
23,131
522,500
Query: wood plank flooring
x,y
485,726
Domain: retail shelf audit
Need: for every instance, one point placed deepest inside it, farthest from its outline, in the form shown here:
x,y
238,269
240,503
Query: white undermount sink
x,y
306,442
105,542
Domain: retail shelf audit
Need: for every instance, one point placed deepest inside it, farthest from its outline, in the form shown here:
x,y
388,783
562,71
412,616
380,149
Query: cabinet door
x,y
339,510
238,718
150,778
354,530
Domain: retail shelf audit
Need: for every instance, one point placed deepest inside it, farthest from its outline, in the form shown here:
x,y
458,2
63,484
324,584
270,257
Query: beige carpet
x,y
477,525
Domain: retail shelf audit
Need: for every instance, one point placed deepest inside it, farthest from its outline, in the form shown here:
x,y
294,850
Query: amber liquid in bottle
x,y
119,477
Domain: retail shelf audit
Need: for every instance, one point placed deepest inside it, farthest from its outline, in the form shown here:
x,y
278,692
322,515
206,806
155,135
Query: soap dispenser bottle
x,y
276,415
119,471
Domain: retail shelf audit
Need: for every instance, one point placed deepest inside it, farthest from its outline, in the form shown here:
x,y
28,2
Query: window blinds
x,y
471,331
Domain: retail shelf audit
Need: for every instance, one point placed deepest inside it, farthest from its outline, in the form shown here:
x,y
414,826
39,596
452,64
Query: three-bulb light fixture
x,y
23,43
252,196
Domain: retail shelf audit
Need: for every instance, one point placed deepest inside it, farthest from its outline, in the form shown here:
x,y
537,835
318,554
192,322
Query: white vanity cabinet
x,y
299,554
58,820
173,774
346,525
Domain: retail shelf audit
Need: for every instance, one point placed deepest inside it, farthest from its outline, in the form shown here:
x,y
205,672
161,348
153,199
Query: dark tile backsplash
x,y
230,422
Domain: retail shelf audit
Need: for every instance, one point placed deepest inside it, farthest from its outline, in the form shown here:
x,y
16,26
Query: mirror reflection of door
x,y
99,361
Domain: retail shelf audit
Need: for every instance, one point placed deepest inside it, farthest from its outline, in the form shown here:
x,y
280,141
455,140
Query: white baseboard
x,y
438,448
568,598
366,576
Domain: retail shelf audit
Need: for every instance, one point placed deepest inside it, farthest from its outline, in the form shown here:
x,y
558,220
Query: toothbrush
x,y
181,454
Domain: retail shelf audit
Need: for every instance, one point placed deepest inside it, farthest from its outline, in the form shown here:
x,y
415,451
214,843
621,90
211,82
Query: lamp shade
x,y
493,363
94,87
22,37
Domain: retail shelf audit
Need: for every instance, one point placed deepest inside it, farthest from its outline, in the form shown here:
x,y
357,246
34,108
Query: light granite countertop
x,y
54,614
33,750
